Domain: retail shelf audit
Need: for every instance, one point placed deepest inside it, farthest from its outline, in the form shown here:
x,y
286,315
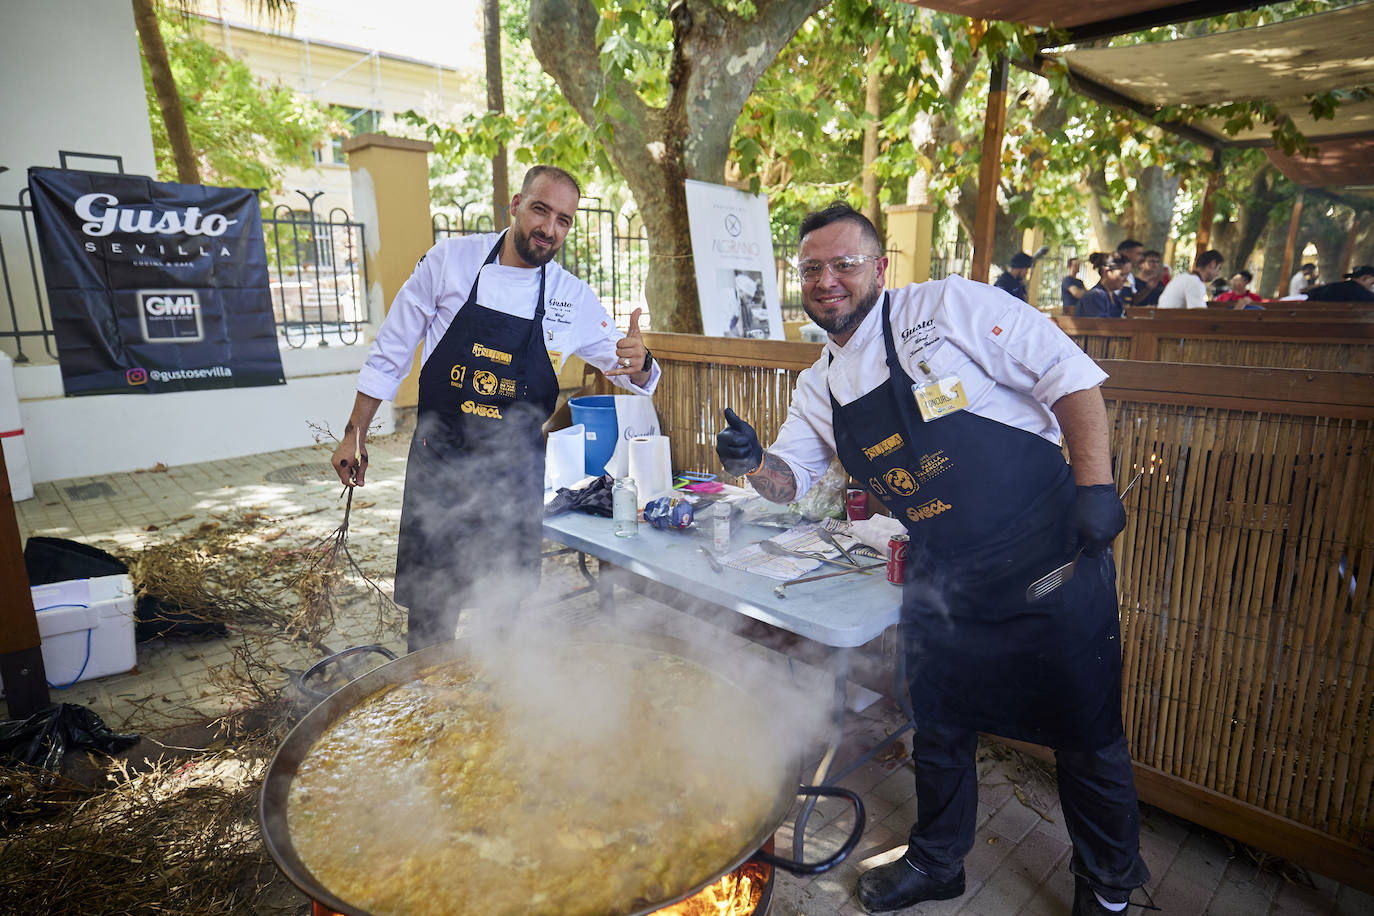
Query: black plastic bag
x,y
44,738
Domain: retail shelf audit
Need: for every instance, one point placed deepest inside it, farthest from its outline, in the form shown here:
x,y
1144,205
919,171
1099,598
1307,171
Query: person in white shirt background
x,y
1190,290
1305,278
496,316
948,399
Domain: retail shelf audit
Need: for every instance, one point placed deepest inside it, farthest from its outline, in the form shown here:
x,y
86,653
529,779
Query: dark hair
x,y
551,171
1207,258
1151,253
1128,243
1072,258
1308,266
1103,261
1245,275
837,212
1364,270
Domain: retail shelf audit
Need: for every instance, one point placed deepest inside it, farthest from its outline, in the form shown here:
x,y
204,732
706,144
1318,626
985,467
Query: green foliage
x,y
246,131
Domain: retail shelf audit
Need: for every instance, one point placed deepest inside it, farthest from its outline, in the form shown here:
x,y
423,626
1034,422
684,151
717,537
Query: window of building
x,y
356,121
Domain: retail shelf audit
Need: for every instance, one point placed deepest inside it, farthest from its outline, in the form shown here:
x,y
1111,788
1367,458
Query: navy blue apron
x,y
475,473
987,507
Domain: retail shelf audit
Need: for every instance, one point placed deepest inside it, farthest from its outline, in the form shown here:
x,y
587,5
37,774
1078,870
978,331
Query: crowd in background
x,y
1133,275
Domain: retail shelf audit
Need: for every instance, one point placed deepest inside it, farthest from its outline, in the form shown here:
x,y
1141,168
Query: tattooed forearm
x,y
774,481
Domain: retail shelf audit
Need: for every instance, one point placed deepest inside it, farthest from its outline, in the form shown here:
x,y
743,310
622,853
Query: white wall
x,y
103,434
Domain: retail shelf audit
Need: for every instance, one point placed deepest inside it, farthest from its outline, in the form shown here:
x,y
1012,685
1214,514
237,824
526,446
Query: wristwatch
x,y
648,361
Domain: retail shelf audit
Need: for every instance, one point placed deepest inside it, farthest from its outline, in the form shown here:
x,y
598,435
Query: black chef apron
x,y
475,475
987,507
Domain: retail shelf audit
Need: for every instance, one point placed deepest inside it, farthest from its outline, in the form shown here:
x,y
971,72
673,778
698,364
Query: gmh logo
x,y
170,315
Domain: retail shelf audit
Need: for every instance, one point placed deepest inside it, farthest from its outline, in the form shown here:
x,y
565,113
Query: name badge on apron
x,y
938,397
556,360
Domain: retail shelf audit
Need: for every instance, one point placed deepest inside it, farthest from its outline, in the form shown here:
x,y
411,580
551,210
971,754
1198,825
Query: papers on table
x,y
801,538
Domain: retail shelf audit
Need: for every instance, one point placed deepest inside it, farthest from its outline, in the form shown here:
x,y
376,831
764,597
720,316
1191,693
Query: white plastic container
x,y
87,628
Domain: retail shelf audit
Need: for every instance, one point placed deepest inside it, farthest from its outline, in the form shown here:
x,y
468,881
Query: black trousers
x,y
1096,792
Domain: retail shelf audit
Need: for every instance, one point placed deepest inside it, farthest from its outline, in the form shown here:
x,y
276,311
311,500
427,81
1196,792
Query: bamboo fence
x,y
1244,575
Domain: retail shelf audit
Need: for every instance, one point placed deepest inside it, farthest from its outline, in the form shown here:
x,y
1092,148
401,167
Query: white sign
x,y
737,282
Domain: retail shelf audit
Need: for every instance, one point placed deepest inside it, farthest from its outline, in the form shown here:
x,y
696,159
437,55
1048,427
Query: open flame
x,y
736,894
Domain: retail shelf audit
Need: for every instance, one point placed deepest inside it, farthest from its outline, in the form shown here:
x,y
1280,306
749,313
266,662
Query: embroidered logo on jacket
x,y
495,356
483,382
482,410
927,510
890,444
456,376
901,481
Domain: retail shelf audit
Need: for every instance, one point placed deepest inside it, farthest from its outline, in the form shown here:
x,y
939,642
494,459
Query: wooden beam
x,y
1287,839
21,658
1286,270
1348,395
990,170
1149,19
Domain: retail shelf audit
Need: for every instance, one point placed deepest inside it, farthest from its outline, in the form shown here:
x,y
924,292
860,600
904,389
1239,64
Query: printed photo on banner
x,y
732,247
154,286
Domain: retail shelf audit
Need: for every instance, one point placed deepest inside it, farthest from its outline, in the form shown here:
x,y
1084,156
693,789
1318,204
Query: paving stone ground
x,y
1019,863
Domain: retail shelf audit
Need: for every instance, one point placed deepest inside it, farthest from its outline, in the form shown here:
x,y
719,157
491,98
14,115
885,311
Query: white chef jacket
x,y
1186,291
575,321
1013,361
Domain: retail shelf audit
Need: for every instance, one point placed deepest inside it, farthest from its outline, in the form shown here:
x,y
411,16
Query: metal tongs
x,y
778,550
1061,574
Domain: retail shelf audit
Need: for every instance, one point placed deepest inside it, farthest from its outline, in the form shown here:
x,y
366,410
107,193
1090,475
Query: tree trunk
x,y
873,108
500,183
1151,208
165,87
717,57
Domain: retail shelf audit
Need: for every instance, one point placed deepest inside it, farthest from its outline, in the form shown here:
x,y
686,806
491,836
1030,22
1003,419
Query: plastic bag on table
x,y
825,499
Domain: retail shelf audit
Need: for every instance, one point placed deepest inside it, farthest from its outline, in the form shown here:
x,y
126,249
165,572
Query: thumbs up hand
x,y
738,446
632,356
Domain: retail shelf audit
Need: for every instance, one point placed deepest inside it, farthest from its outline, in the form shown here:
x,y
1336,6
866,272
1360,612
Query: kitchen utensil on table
x,y
834,542
781,590
778,550
711,559
1061,574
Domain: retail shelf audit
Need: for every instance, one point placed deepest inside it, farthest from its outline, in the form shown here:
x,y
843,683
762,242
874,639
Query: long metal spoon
x,y
781,590
780,551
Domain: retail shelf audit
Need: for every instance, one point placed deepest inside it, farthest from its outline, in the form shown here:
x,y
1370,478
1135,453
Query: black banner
x,y
154,286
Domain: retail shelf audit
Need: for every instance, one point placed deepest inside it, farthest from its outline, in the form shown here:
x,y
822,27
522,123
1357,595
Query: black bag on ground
x,y
49,560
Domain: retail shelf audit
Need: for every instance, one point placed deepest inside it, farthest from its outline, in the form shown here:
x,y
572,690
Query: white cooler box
x,y
87,628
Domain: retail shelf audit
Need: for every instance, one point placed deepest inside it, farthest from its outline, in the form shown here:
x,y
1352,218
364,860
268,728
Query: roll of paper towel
x,y
564,457
651,466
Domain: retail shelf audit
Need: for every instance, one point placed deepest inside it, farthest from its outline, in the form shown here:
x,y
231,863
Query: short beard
x,y
848,323
528,253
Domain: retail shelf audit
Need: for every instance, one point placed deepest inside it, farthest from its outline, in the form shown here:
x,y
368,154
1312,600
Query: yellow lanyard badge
x,y
938,397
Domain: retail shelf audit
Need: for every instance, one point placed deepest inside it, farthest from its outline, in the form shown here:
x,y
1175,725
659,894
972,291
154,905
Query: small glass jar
x,y
720,529
625,508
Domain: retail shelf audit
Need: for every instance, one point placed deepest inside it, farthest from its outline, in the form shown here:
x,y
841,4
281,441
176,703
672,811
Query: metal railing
x,y
317,277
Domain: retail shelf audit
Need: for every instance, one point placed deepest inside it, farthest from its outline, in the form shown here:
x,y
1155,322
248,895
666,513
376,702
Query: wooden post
x,y
21,656
1207,215
990,170
1286,270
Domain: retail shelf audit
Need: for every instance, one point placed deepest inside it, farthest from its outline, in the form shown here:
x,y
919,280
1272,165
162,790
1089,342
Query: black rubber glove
x,y
1098,517
738,446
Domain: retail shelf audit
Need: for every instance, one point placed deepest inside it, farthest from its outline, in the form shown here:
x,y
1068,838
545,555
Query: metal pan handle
x,y
816,868
316,695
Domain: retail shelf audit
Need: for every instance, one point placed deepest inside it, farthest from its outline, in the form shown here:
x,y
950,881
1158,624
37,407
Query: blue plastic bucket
x,y
596,413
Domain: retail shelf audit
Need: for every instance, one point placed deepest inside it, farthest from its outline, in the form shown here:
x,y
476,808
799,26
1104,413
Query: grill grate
x,y
84,491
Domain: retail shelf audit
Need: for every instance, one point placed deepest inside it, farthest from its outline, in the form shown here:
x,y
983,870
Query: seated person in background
x,y
1154,276
1357,287
1300,281
1239,294
1134,252
1104,300
1189,291
1013,279
1071,289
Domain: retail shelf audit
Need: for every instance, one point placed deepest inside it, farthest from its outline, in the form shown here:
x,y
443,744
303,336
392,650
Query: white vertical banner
x,y
732,247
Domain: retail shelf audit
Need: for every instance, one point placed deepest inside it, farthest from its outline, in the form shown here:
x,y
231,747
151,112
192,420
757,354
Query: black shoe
x,y
1085,902
899,884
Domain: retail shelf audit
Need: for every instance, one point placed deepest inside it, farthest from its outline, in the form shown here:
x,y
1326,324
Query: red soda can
x,y
897,549
856,505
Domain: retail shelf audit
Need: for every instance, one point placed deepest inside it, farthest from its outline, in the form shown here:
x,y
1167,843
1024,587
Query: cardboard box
x,y
87,628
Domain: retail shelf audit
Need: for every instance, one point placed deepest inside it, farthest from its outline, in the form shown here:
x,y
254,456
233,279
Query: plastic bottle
x,y
625,508
720,530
